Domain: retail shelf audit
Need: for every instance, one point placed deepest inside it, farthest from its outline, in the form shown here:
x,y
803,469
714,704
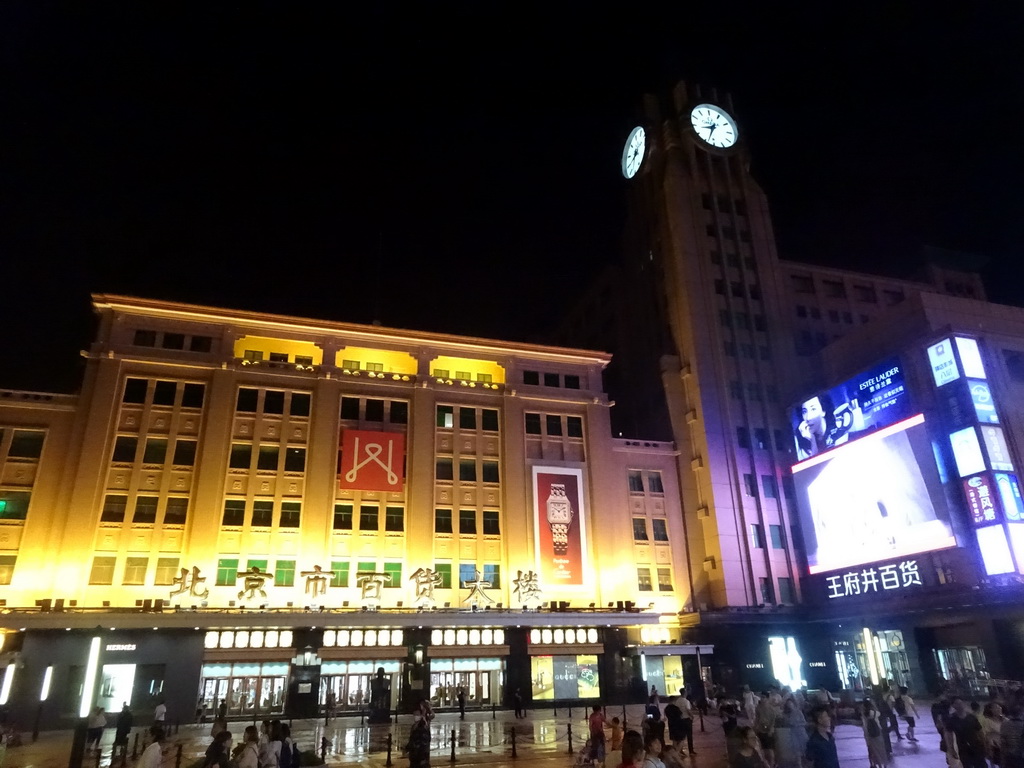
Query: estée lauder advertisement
x,y
560,535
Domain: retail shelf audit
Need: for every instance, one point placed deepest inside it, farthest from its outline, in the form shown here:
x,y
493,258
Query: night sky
x,y
454,167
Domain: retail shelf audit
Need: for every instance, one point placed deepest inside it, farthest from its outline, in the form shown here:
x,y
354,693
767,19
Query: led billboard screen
x,y
857,407
876,498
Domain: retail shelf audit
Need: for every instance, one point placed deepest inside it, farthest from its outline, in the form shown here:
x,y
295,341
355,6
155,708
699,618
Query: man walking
x,y
462,704
679,716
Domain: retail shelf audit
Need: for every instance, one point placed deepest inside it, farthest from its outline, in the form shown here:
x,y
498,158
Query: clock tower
x,y
706,328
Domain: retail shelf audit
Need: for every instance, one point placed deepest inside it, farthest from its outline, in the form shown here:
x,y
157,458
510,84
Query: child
x,y
616,734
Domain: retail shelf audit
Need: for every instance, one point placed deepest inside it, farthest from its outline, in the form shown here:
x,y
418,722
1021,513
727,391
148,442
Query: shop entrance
x,y
876,656
481,681
350,682
964,668
251,690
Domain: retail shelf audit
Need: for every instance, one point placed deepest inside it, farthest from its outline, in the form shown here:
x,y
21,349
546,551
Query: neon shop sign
x,y
883,578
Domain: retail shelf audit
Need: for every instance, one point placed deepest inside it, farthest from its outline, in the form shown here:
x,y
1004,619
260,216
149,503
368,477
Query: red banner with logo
x,y
372,461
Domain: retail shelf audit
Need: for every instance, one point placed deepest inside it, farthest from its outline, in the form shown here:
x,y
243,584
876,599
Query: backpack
x,y
901,706
873,729
285,761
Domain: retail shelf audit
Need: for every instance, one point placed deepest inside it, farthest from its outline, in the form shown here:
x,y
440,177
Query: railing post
x,y
177,758
323,748
135,747
388,763
453,745
493,715
623,718
570,738
514,742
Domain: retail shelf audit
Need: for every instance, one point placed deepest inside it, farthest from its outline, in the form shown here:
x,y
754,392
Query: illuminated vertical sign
x,y
998,451
559,525
943,362
372,461
982,499
984,405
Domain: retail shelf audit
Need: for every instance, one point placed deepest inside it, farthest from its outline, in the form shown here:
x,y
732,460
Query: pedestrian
x,y
653,724
821,744
222,710
616,735
991,724
596,725
652,753
247,754
123,726
270,745
679,720
749,701
517,699
96,723
461,698
764,725
905,708
790,735
673,758
332,703
218,754
418,746
1011,737
160,712
153,755
873,735
747,754
633,751
969,737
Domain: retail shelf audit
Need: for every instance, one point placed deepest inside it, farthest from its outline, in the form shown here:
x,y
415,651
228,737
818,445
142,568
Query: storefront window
x,y
564,677
480,679
250,689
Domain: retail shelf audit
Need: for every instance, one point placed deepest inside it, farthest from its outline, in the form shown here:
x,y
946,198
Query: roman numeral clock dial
x,y
714,126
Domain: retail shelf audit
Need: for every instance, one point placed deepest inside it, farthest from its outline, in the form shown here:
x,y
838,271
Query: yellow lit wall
x,y
473,367
283,346
393,361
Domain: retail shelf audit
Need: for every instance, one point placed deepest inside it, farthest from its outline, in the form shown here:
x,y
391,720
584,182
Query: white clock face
x,y
714,125
633,152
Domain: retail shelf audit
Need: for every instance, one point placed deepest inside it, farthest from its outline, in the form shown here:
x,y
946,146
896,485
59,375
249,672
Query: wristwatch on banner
x,y
559,518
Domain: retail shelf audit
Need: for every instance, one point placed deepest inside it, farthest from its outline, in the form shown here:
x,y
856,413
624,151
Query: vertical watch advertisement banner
x,y
559,528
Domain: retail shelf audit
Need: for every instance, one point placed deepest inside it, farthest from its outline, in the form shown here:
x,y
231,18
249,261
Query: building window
x,y
7,563
394,519
553,425
761,438
374,410
802,283
263,514
248,400
467,572
291,513
532,423
531,377
267,459
102,570
192,395
14,504
340,571
770,486
134,391
399,412
184,453
660,527
467,418
786,593
574,426
144,338
394,571
492,575
343,517
654,482
443,469
284,573
442,521
750,482
572,381
145,509
241,456
490,471
743,437
369,517
125,449
166,571
295,460
444,570
227,572
135,570
491,526
639,529
635,479
445,416
833,289
176,511
467,521
781,444
664,579
252,355
490,420
767,593
350,365
174,341
756,536
865,293
550,379
200,344
736,390
155,451
234,513
778,542
114,507
643,580
467,470
273,401
350,408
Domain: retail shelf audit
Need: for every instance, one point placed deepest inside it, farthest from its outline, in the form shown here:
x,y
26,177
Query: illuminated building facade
x,y
266,510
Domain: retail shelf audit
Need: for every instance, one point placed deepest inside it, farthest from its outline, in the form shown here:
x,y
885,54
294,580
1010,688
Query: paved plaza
x,y
483,738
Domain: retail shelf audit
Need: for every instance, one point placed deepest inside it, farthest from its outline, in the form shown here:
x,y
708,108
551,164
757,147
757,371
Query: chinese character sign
x,y
559,525
372,461
874,580
982,499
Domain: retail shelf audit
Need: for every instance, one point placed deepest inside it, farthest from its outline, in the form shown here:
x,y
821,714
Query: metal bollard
x,y
570,711
177,758
493,715
323,749
623,718
514,742
453,745
388,763
570,738
135,747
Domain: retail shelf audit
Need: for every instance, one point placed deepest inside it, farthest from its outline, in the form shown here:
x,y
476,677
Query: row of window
x,y
833,315
768,483
469,418
154,450
636,479
836,289
724,204
166,340
272,401
787,595
659,525
166,393
736,288
262,514
747,351
761,440
728,233
469,470
771,392
742,320
778,536
553,425
146,510
268,457
468,521
257,356
567,381
445,373
644,583
369,517
734,260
